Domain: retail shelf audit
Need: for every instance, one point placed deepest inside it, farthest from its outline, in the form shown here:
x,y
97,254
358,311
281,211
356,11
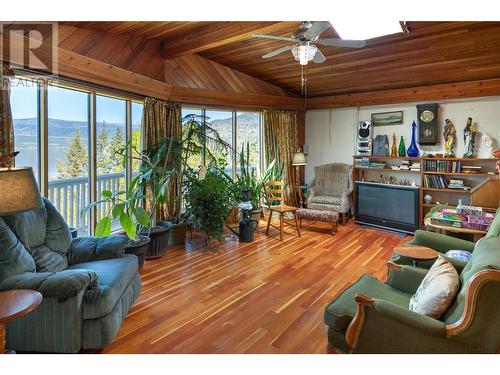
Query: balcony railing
x,y
71,195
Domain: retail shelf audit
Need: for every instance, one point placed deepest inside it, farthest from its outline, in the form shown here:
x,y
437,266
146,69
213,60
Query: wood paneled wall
x,y
198,72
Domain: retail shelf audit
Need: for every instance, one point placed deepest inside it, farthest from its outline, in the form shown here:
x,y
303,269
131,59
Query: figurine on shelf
x,y
450,135
394,148
469,138
486,145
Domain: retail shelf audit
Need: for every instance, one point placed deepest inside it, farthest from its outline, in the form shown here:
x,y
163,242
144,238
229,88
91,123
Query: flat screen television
x,y
392,207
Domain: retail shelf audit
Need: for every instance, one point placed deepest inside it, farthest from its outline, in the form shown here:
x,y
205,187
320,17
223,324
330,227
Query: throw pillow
x,y
437,290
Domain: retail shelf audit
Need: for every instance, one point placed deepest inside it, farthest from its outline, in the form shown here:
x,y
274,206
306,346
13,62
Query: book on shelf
x,y
447,166
434,181
471,168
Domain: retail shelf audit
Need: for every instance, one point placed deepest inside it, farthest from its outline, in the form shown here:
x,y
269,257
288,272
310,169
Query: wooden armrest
x,y
356,324
391,266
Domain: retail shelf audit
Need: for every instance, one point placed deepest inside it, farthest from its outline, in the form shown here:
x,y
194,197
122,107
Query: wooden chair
x,y
274,193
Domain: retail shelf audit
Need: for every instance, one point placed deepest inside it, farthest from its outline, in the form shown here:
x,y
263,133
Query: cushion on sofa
x,y
326,199
14,257
340,312
437,290
114,275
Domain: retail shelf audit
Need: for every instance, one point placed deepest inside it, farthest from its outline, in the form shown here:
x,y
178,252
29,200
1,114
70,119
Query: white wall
x,y
330,133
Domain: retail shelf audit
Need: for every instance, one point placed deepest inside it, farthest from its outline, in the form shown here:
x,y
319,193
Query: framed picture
x,y
387,118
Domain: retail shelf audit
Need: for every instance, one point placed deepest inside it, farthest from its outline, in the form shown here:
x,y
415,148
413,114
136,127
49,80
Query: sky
x,y
68,104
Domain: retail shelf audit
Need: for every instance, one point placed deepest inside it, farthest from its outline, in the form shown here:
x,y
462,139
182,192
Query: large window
x,y
222,123
236,128
68,156
248,130
194,161
111,133
70,180
24,105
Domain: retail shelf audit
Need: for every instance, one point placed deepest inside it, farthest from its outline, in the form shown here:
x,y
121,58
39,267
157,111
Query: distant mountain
x,y
59,128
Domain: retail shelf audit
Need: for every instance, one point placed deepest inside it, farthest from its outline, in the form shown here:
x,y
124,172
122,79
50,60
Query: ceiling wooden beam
x,y
471,89
218,34
78,67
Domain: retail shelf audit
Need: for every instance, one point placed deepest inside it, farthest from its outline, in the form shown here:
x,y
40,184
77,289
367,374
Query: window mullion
x,y
128,138
92,160
43,139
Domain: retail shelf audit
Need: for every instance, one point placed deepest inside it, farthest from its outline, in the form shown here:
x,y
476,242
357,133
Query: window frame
x,y
43,122
234,112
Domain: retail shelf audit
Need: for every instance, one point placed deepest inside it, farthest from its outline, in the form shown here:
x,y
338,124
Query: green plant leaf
x,y
103,227
117,210
141,216
106,193
128,225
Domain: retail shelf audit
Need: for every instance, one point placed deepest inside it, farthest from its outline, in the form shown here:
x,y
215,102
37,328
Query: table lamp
x,y
18,191
299,158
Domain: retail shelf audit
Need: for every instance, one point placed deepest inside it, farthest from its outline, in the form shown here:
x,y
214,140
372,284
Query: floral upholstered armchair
x,y
331,189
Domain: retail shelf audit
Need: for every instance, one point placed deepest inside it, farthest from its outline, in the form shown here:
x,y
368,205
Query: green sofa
x,y
373,317
88,284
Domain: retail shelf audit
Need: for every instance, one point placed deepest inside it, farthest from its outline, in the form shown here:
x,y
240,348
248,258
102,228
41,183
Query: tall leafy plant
x,y
209,201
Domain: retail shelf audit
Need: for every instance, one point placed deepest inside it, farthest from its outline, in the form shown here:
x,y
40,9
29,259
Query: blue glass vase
x,y
412,151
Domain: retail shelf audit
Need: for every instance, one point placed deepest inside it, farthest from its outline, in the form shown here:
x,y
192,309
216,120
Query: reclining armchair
x,y
373,317
87,284
331,189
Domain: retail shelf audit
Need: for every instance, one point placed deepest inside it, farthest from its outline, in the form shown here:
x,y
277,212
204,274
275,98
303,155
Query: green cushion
x,y
486,255
14,257
495,226
339,313
114,276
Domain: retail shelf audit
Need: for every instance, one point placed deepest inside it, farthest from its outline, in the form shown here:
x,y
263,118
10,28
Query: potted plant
x,y
209,200
247,181
153,180
196,135
124,206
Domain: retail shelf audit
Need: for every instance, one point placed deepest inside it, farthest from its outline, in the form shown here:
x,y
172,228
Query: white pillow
x,y
437,290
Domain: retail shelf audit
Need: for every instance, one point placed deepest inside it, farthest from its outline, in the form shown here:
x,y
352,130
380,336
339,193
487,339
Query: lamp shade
x,y
299,158
18,191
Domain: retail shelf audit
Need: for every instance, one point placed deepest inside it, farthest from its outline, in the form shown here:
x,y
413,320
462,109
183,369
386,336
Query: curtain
x,y
281,142
6,124
163,119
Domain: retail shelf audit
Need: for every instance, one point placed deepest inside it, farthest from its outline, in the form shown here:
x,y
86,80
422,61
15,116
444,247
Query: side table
x,y
13,305
416,253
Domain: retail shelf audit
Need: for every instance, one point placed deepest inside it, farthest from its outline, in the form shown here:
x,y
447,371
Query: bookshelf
x,y
484,183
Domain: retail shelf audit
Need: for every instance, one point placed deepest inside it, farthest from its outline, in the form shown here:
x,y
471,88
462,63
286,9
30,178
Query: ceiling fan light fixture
x,y
304,53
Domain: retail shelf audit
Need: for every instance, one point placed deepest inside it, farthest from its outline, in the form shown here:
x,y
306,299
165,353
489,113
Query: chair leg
x,y
344,218
269,222
281,227
334,228
296,223
300,222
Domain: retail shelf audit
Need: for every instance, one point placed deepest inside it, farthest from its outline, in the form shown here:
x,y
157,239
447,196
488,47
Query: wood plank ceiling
x,y
433,53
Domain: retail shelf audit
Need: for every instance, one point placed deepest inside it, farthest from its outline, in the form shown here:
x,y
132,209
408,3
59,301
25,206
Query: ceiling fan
x,y
305,39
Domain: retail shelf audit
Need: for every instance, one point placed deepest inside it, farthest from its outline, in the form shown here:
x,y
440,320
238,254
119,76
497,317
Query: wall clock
x,y
428,133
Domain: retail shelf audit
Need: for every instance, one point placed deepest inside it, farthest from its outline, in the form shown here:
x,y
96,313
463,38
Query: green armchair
x,y
87,283
373,317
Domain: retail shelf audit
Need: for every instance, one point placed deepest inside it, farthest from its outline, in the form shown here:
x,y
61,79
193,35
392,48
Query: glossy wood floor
x,y
263,297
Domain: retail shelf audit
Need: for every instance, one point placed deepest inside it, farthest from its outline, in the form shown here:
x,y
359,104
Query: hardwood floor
x,y
263,297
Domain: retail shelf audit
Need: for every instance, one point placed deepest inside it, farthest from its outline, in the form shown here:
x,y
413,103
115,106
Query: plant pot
x,y
177,233
159,236
138,247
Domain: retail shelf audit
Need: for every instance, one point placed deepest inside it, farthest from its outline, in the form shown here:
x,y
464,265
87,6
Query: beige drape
x,y
281,142
163,119
6,124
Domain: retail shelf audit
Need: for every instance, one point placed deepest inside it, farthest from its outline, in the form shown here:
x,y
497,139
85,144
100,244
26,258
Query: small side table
x,y
13,305
416,253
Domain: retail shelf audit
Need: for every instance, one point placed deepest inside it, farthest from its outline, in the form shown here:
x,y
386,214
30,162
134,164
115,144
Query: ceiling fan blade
x,y
275,37
319,57
316,29
342,43
277,52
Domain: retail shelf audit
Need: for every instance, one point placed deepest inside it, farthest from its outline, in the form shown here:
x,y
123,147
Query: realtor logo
x,y
29,45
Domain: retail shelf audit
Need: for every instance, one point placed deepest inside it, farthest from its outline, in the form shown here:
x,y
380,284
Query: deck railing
x,y
71,195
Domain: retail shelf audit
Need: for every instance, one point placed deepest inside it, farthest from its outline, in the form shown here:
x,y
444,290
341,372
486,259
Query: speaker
x,y
364,138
